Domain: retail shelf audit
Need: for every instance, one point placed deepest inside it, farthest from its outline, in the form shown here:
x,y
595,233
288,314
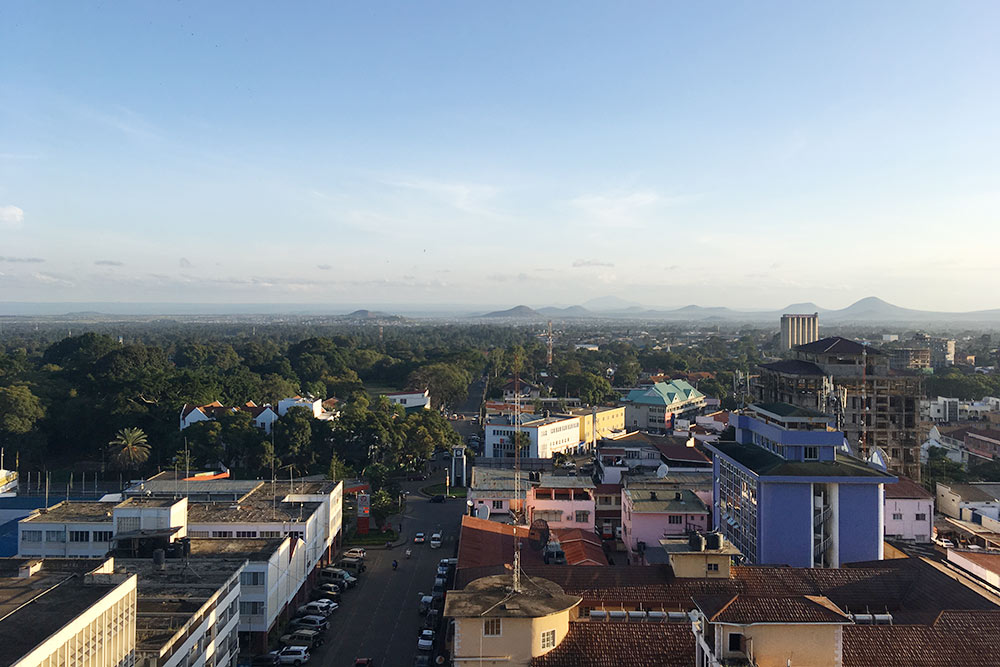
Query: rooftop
x,y
647,501
266,504
976,492
835,345
794,367
485,543
663,393
255,549
70,511
954,638
550,481
622,645
750,610
764,463
906,488
681,545
493,596
139,501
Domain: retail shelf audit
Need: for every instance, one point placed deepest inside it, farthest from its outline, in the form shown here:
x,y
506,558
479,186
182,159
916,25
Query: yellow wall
x,y
775,645
695,566
520,639
608,419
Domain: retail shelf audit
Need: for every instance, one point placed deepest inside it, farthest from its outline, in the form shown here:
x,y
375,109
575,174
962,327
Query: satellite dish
x,y
662,471
845,448
538,534
482,511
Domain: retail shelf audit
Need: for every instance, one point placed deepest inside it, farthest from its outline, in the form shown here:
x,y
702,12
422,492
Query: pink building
x,y
565,502
649,515
909,511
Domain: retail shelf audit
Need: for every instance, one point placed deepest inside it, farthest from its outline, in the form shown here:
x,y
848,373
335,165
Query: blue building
x,y
786,493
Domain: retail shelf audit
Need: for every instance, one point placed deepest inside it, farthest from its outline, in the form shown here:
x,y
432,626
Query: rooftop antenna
x,y
517,475
549,357
864,400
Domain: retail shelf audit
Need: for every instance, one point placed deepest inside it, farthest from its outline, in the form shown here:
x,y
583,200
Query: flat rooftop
x,y
70,511
550,481
680,545
255,549
33,608
661,502
138,501
766,464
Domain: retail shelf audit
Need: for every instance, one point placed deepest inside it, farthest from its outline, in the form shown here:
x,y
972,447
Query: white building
x,y
411,400
263,416
547,436
909,511
66,613
654,408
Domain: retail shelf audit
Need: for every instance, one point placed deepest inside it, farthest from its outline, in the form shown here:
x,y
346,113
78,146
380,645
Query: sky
x,y
745,154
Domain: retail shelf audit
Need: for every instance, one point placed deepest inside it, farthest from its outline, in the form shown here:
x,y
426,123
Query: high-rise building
x,y
798,330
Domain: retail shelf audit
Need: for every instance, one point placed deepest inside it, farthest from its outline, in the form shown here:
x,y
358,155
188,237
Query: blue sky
x,y
728,153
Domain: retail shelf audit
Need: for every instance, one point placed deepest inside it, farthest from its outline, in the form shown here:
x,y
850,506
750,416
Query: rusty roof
x,y
622,645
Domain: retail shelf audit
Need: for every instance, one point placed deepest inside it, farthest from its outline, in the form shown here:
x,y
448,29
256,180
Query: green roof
x,y
789,410
766,464
664,393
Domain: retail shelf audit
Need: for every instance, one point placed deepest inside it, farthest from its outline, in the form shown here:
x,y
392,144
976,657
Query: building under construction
x,y
875,406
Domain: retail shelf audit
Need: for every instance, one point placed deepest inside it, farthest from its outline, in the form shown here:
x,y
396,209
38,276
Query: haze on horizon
x,y
748,155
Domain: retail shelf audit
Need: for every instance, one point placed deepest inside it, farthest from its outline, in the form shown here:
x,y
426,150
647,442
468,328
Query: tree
x,y
448,384
292,437
20,410
338,469
129,448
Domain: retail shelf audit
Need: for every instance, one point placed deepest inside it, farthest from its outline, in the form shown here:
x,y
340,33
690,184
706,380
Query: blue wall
x,y
859,525
784,524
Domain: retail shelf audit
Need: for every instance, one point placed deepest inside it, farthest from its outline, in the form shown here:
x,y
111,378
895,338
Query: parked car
x,y
437,499
302,637
337,575
426,640
436,541
293,655
422,661
424,604
353,565
318,623
318,608
356,552
419,538
431,620
323,594
442,570
332,587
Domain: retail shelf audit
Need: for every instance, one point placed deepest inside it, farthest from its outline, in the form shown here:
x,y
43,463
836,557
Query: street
x,y
378,618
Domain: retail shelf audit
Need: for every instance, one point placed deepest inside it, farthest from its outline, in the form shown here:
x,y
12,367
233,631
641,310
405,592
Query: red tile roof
x,y
955,638
602,644
906,488
483,543
747,609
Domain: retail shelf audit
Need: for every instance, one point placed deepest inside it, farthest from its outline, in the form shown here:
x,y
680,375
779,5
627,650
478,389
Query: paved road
x,y
379,618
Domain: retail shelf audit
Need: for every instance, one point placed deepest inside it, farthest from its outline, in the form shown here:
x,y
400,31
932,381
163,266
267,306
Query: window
x,y
246,533
897,517
251,579
251,608
675,519
491,627
55,536
271,533
713,567
127,524
498,504
605,500
199,533
79,536
582,516
31,536
735,641
103,535
921,517
810,454
548,639
222,533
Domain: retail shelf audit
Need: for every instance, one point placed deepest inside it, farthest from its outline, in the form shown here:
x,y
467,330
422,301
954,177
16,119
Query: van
x,y
337,576
351,564
308,638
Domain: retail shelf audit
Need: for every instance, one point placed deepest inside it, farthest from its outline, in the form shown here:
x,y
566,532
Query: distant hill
x,y
516,311
610,303
370,315
571,311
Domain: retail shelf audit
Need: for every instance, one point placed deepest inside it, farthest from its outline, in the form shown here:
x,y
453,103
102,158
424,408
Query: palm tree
x,y
129,448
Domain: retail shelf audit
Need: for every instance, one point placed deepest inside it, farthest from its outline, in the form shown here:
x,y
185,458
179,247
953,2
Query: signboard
x,y
364,512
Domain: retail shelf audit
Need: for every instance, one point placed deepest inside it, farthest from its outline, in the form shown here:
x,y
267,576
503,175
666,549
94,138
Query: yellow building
x,y
694,558
609,421
495,625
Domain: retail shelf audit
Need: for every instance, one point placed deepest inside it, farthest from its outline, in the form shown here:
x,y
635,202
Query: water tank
x,y
696,542
658,616
160,559
598,614
713,541
636,616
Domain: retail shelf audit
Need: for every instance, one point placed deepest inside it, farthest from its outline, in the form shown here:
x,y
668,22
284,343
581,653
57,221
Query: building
x,y
942,352
564,502
695,556
649,515
411,400
546,436
966,501
609,510
609,421
66,613
940,409
520,390
909,358
655,408
263,416
493,491
909,511
318,408
799,330
785,492
484,544
876,407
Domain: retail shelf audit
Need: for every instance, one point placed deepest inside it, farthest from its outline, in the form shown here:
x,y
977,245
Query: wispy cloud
x,y
184,263
109,262
586,263
22,260
323,267
52,279
11,217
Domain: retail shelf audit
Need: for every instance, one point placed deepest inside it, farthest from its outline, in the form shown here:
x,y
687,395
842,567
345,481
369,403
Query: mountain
x,y
571,311
610,303
370,315
516,311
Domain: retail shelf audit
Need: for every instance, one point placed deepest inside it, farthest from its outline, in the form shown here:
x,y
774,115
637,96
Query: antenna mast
x,y
517,474
549,357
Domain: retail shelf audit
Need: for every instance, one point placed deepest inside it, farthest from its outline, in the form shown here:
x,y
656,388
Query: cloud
x,y
323,267
184,263
22,260
109,262
52,279
11,217
584,263
504,277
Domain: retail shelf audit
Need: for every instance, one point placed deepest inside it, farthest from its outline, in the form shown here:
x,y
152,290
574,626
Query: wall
x,y
861,525
989,576
779,645
908,527
567,507
695,565
649,527
784,524
520,640
64,548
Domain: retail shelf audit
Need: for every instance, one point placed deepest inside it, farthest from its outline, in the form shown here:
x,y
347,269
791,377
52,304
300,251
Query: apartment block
x,y
798,330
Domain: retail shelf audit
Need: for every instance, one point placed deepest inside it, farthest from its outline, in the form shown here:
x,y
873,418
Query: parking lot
x,y
379,618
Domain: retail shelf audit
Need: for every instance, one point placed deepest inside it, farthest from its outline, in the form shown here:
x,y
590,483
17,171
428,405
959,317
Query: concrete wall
x,y
989,576
784,524
568,509
519,641
908,527
861,528
650,527
780,645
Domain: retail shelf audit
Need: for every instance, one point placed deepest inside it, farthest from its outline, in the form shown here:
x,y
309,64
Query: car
x,y
332,587
293,655
356,552
436,541
418,538
321,594
424,604
337,575
302,637
947,544
426,640
431,620
318,608
318,623
437,499
442,571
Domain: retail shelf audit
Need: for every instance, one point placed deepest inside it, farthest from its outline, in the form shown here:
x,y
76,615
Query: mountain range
x,y
869,310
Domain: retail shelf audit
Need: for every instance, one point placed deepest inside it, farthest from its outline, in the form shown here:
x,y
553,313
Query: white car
x,y
293,655
356,552
426,641
318,608
436,541
418,538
